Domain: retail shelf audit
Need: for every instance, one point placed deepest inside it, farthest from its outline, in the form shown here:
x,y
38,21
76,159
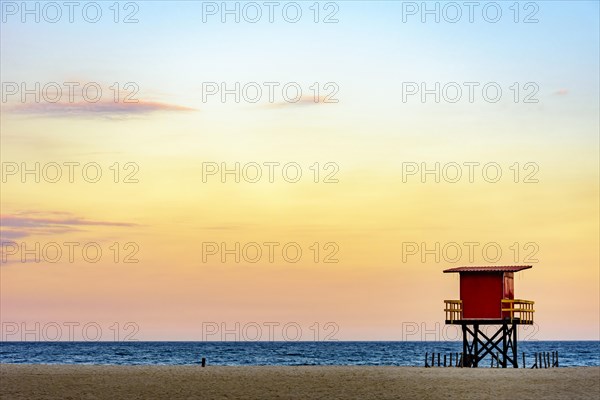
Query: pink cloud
x,y
101,108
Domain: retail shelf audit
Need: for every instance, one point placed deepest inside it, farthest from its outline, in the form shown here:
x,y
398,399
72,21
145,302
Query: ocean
x,y
571,353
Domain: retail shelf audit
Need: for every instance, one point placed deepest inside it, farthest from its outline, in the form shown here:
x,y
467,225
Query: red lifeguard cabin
x,y
487,298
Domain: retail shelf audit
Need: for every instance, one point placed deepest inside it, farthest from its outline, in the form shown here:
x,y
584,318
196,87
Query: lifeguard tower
x,y
487,298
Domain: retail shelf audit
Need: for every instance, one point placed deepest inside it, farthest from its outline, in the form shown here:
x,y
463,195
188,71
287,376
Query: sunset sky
x,y
362,212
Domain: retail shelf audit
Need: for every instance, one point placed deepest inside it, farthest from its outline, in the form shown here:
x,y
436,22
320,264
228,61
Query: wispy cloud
x,y
20,225
304,101
99,109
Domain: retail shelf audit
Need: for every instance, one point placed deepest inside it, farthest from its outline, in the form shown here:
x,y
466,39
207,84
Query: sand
x,y
212,382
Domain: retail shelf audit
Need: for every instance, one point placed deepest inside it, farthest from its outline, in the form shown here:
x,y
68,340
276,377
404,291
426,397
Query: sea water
x,y
571,353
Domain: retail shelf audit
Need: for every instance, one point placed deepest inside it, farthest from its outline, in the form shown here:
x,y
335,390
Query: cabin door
x,y
508,291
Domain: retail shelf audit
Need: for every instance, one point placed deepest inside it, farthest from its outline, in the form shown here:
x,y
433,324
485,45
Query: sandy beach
x,y
257,382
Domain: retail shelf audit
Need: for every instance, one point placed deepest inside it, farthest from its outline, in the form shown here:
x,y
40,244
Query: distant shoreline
x,y
27,381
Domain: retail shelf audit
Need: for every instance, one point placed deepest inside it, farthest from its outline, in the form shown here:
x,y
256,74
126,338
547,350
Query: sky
x,y
184,194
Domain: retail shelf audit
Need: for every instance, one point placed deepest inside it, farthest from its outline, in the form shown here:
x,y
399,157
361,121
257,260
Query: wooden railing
x,y
518,309
522,309
453,310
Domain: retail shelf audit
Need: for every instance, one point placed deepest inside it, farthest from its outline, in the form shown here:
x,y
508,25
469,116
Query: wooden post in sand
x,y
433,359
203,362
524,360
445,359
450,359
438,359
426,365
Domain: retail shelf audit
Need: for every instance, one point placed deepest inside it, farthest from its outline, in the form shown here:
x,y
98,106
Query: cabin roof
x,y
494,268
